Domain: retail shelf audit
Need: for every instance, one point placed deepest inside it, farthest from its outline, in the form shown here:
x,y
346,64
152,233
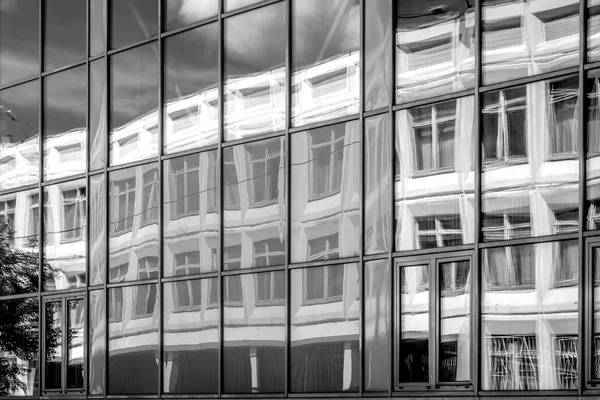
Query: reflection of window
x,y
566,358
323,284
74,214
147,268
270,288
327,159
70,154
454,277
502,34
510,267
324,248
119,273
593,128
7,215
123,200
268,253
150,197
266,160
418,55
231,190
187,294
48,221
433,129
593,217
504,132
563,105
232,291
514,362
34,216
116,305
566,221
565,269
185,175
187,263
212,194
145,300
439,231
507,226
596,362
561,26
448,361
232,257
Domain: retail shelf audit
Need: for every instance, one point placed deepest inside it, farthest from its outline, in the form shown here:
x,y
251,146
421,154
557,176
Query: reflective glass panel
x,y
255,44
97,27
254,333
524,38
230,5
132,21
595,361
377,170
64,133
434,177
378,305
190,89
414,324
529,325
133,221
134,104
254,203
65,216
325,192
133,340
75,339
593,150
435,48
98,226
325,60
19,40
64,32
97,342
454,291
179,13
19,346
530,178
19,135
191,336
325,326
53,345
378,34
97,113
191,214
19,243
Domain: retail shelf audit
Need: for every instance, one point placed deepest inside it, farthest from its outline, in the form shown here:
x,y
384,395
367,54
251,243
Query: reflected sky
x,y
178,13
64,32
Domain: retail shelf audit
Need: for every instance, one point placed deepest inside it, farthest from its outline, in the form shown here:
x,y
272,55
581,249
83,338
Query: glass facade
x,y
299,198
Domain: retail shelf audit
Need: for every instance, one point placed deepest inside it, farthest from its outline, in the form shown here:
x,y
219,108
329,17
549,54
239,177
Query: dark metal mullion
x,y
220,134
288,195
394,285
87,203
433,321
361,264
106,133
160,238
582,359
42,211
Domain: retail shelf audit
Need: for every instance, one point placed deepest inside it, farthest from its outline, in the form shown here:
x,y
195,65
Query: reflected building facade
x,y
235,198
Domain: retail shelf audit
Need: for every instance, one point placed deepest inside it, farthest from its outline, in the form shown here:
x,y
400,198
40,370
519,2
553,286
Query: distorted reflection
x,y
435,48
377,304
65,133
434,177
133,220
325,326
595,373
530,317
191,336
530,165
325,192
19,135
53,346
19,241
191,216
255,80
593,151
98,223
230,5
133,340
179,13
254,203
19,347
254,333
97,342
378,34
65,216
132,21
64,32
325,60
134,104
190,87
75,351
97,25
19,40
97,114
528,37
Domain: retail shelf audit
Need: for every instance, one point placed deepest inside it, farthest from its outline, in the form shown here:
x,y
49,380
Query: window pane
x,y
132,21
529,323
325,191
98,225
378,303
190,200
134,103
65,216
64,32
97,27
19,135
97,342
132,358
191,338
378,34
64,119
324,351
53,345
325,60
255,44
254,334
435,49
97,113
524,38
259,219
190,87
19,40
231,5
179,13
75,351
19,345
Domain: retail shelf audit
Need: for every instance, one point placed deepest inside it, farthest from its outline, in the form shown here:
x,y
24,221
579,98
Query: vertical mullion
x,y
65,336
106,132
220,135
42,211
288,191
394,330
361,265
433,321
159,289
87,202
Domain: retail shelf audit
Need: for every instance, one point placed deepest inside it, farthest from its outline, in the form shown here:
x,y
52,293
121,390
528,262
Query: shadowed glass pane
x,y
53,345
97,113
64,32
75,351
97,342
132,21
179,13
98,224
97,27
19,40
378,34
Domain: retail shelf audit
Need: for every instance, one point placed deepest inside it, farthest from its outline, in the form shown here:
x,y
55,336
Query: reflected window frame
x,y
330,274
274,298
333,183
72,232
